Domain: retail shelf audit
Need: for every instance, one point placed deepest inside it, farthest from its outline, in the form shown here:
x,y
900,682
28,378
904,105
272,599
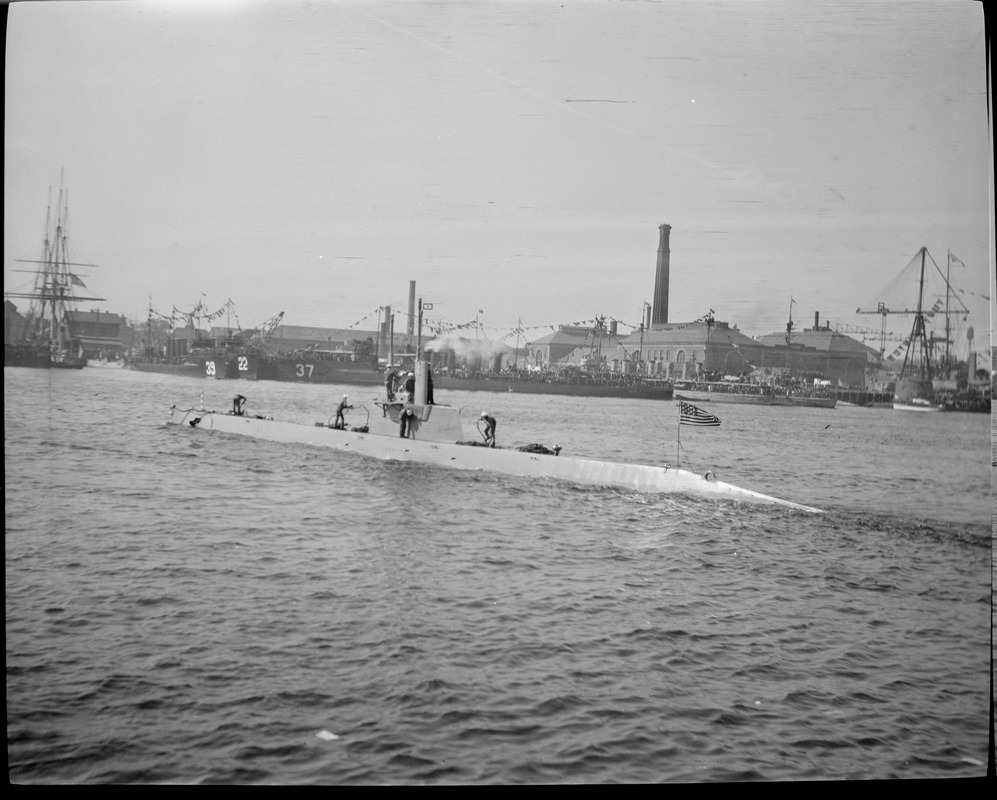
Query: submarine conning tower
x,y
659,313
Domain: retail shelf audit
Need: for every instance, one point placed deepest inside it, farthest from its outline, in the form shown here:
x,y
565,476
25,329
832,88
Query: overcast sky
x,y
515,158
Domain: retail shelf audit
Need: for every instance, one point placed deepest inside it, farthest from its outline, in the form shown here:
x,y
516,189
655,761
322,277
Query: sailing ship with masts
x,y
923,382
48,338
914,388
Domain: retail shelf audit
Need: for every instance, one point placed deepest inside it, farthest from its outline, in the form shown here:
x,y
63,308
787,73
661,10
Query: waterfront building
x,y
838,358
686,350
287,339
99,332
553,348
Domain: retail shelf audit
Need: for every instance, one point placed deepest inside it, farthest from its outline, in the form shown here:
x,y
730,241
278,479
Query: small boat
x,y
48,339
105,363
753,394
412,429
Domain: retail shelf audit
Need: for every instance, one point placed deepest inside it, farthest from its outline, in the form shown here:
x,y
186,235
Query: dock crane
x,y
884,312
261,334
880,333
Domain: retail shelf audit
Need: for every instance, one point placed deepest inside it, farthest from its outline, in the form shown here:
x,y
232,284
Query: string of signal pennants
x,y
199,312
440,327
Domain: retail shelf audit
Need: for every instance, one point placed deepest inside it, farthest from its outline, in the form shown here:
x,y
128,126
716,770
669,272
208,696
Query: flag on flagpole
x,y
76,281
690,415
956,260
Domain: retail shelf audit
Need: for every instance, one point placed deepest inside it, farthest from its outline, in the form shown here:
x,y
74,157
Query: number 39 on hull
x,y
225,366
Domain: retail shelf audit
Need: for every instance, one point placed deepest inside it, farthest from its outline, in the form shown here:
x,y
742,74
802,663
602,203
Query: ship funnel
x,y
659,315
383,343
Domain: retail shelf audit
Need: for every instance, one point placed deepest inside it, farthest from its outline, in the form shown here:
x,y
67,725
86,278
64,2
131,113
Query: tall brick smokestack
x,y
659,315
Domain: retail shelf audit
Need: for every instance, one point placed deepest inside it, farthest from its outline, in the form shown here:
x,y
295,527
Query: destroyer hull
x,y
633,477
317,371
579,389
756,399
26,355
227,367
303,370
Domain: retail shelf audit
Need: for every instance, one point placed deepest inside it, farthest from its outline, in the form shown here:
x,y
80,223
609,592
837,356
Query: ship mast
x,y
789,331
49,318
948,289
918,337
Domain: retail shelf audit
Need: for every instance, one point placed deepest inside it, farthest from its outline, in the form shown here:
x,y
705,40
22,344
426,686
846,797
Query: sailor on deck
x,y
406,430
489,433
238,406
340,419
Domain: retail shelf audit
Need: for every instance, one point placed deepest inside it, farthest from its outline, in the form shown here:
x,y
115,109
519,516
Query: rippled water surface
x,y
186,606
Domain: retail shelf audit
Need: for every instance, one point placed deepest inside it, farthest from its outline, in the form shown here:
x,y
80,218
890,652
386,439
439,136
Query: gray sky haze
x,y
512,157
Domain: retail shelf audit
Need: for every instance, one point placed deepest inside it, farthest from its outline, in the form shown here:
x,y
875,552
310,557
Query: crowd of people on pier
x,y
568,376
778,384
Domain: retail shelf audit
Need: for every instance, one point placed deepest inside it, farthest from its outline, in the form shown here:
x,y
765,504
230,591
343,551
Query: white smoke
x,y
468,350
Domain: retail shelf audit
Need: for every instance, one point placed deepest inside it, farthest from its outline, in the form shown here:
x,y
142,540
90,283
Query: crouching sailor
x,y
489,432
238,406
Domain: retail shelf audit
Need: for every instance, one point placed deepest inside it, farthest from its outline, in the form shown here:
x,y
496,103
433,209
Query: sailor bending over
x,y
489,432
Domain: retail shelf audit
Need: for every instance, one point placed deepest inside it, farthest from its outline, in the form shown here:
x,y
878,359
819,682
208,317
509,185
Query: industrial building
x,y
101,333
287,339
820,350
690,349
708,346
557,347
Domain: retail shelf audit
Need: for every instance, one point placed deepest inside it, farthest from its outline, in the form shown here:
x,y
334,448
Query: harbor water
x,y
190,607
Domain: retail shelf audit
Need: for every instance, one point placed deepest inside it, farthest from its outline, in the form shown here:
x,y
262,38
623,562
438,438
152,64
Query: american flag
x,y
690,415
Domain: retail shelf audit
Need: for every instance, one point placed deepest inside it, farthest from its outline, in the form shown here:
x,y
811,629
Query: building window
x,y
680,357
